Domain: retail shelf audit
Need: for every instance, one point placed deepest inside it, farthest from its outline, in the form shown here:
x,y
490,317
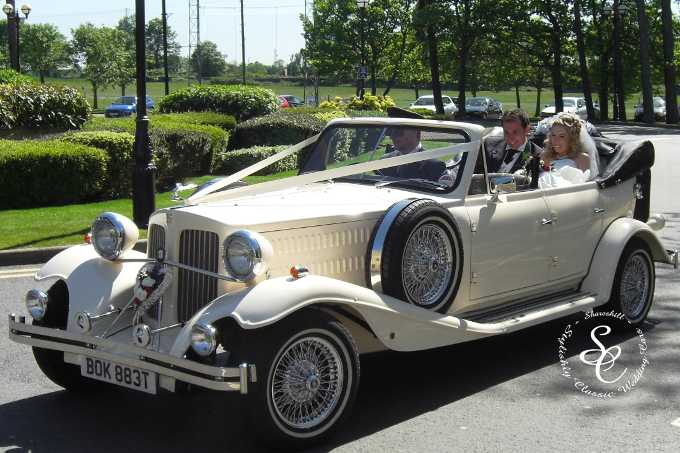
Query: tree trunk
x,y
645,77
519,104
397,65
669,62
94,95
415,87
122,90
373,86
603,68
42,76
539,88
434,69
462,81
583,63
620,111
557,70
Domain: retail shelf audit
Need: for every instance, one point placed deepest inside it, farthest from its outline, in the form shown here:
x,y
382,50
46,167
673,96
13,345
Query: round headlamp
x,y
246,255
113,234
36,304
203,339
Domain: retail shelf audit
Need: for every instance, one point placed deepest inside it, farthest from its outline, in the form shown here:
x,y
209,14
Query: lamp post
x,y
361,71
143,183
617,10
164,15
13,21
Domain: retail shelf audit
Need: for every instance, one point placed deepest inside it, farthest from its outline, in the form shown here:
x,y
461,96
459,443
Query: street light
x,y
13,21
617,10
361,71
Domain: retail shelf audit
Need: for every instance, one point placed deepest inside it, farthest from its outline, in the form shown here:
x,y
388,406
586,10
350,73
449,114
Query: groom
x,y
513,151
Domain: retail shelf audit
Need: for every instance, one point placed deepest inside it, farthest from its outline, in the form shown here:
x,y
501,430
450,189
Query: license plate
x,y
115,373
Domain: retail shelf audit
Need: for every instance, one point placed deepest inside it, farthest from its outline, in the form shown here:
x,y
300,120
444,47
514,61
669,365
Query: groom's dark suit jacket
x,y
495,153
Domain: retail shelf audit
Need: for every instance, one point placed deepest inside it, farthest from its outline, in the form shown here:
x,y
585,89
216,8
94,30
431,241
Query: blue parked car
x,y
126,106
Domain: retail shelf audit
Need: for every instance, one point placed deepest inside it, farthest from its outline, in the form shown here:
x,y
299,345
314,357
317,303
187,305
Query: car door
x,y
508,253
576,213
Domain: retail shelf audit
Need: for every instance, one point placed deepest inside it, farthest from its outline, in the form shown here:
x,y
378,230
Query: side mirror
x,y
500,185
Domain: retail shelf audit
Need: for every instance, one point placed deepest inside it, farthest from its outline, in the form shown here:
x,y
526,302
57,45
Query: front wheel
x,y
633,289
308,375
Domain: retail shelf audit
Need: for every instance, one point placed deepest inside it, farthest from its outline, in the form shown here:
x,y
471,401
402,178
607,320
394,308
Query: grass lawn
x,y
402,96
66,225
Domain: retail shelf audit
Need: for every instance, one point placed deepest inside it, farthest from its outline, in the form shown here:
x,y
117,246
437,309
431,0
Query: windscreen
x,y
343,146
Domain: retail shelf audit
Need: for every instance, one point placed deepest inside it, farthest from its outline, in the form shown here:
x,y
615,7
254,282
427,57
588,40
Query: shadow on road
x,y
395,387
635,129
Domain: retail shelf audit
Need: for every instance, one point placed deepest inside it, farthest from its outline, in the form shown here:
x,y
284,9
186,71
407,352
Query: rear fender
x,y
93,282
602,270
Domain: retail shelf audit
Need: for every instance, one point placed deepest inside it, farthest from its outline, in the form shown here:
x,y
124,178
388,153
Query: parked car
x,y
274,290
483,107
573,105
283,102
427,102
292,101
126,106
659,105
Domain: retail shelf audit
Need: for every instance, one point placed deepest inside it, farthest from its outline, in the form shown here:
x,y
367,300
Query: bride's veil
x,y
589,147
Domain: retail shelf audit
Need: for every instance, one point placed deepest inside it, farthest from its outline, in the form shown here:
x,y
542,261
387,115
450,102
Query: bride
x,y
570,155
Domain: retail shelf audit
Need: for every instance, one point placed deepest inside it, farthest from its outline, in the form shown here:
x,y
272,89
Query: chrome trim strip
x,y
374,276
211,377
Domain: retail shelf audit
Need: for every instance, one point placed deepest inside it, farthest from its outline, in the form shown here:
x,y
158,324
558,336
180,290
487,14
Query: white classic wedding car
x,y
276,289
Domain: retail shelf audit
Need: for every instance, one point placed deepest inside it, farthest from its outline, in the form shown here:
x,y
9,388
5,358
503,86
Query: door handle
x,y
598,210
545,221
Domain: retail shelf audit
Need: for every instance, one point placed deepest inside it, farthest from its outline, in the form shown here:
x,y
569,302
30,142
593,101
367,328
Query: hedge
x,y
42,173
226,122
11,76
243,102
179,149
119,148
230,162
28,105
281,128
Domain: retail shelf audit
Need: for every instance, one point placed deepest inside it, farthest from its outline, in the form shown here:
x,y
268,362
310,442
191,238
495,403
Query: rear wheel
x,y
633,289
308,375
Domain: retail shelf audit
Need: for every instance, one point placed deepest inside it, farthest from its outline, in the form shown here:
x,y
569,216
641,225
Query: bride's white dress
x,y
563,172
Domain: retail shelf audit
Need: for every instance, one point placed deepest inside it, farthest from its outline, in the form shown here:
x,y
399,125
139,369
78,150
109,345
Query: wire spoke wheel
x,y
427,264
635,285
307,382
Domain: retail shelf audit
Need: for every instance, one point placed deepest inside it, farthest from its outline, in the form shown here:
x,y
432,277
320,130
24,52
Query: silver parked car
x,y
659,105
427,102
483,107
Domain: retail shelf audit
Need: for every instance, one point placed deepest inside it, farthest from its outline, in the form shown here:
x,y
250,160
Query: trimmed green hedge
x,y
43,173
230,162
280,128
28,105
226,122
119,148
243,102
180,149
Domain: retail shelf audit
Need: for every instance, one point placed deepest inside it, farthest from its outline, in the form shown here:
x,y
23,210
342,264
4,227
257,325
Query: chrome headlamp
x,y
246,255
113,234
36,304
203,339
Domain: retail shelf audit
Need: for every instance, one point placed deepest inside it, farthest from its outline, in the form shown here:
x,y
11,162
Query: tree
x,y
43,48
583,62
645,76
154,44
424,20
207,61
98,49
294,68
669,62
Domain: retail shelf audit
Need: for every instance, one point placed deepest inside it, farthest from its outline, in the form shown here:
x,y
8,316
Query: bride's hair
x,y
572,124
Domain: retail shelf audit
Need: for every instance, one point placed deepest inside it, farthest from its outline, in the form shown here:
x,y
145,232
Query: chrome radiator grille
x,y
197,249
156,240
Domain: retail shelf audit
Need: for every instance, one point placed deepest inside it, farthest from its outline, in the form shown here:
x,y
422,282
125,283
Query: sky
x,y
272,27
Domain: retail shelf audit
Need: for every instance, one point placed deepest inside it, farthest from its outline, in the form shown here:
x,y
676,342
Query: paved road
x,y
496,395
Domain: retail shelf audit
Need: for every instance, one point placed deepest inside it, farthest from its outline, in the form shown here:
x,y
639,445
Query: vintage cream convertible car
x,y
275,289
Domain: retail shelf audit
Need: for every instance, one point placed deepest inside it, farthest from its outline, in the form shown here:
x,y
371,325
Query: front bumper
x,y
210,377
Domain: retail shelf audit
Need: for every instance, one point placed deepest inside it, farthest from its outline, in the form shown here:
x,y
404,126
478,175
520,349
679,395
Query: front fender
x,y
93,282
603,266
398,325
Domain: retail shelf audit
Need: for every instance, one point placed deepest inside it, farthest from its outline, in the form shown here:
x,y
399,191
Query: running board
x,y
510,319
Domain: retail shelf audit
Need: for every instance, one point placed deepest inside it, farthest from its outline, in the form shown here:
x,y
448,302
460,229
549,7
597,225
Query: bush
x,y
179,149
230,162
369,102
41,106
281,128
119,148
49,172
243,102
226,122
11,76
